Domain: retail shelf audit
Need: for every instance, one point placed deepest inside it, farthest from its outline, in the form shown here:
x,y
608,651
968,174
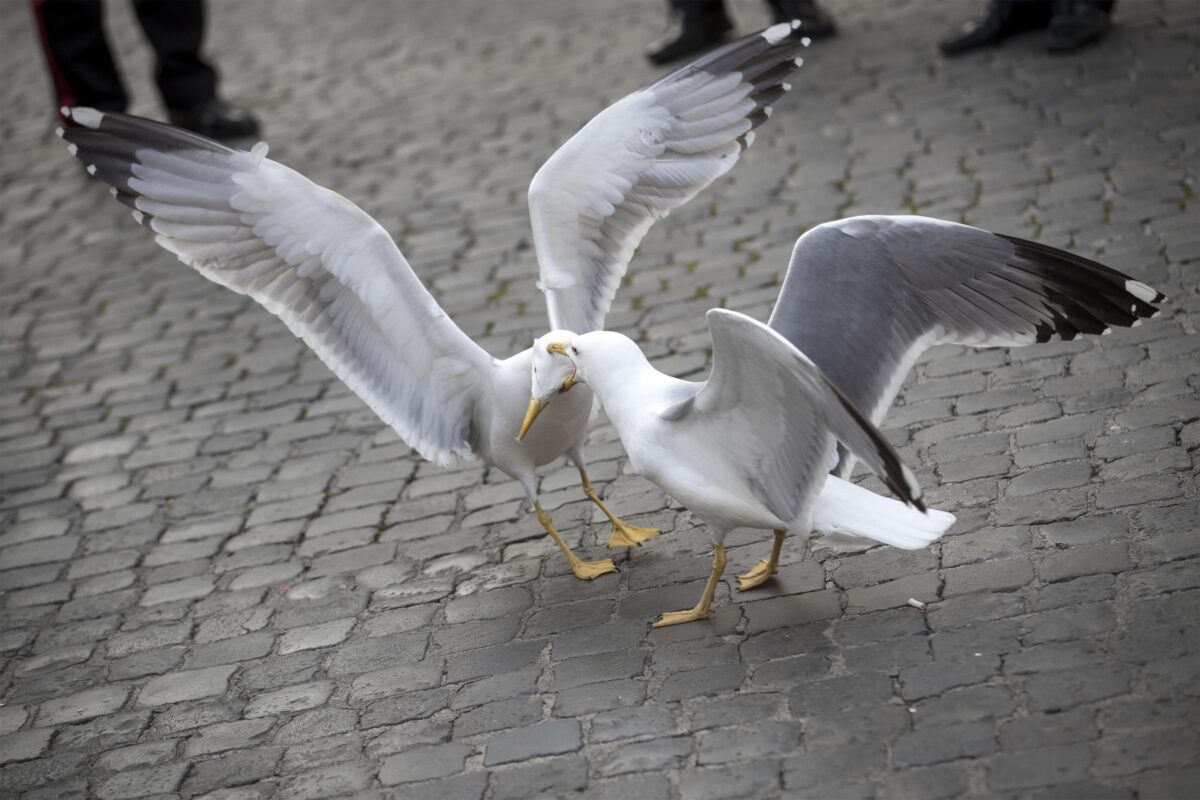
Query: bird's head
x,y
553,374
600,355
578,359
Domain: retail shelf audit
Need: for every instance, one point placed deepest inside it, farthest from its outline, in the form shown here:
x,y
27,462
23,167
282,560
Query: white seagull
x,y
863,298
338,281
750,447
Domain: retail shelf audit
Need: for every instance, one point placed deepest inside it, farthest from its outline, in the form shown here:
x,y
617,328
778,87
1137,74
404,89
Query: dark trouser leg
x,y
175,29
72,37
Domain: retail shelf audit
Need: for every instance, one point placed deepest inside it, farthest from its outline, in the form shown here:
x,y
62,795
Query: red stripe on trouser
x,y
66,97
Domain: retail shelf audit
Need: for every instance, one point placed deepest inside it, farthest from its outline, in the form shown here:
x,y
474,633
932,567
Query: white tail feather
x,y
844,508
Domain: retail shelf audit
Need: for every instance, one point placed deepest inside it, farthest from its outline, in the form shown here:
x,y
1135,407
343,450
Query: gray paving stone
x,y
476,634
29,774
186,589
554,777
24,745
177,687
232,769
187,485
598,668
424,763
396,680
764,740
543,739
498,715
752,779
944,743
332,781
137,756
222,736
40,552
227,651
316,724
310,637
290,699
103,732
657,754
378,653
142,782
83,705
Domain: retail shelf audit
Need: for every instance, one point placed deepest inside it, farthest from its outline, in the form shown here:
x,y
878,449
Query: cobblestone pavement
x,y
223,577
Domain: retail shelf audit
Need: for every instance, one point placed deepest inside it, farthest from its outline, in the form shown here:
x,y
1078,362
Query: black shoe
x,y
216,119
695,28
815,22
1074,25
1003,19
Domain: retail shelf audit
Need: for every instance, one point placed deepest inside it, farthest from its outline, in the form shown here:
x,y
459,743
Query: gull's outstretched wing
x,y
592,202
865,296
308,255
778,416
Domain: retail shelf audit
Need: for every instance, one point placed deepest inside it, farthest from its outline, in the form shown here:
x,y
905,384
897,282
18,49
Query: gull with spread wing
x,y
338,281
863,298
751,446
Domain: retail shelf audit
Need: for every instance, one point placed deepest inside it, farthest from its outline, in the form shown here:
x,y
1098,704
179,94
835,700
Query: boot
x,y
815,22
1075,24
216,119
1003,19
696,26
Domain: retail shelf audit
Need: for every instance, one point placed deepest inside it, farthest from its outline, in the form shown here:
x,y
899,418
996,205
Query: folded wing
x,y
310,257
779,417
592,202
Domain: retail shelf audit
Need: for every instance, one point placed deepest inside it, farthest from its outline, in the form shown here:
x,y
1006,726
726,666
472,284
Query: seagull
x,y
862,299
338,281
750,447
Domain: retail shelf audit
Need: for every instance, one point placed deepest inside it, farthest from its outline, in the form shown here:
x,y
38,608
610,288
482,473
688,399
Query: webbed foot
x,y
587,570
680,617
624,535
761,573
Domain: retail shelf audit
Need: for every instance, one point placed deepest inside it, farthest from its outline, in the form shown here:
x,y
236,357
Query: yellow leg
x,y
582,569
704,607
765,569
623,535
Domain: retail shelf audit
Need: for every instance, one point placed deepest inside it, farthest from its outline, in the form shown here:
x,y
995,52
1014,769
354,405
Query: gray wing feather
x,y
864,296
780,416
309,256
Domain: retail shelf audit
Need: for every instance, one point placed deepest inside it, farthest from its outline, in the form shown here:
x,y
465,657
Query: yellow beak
x,y
557,348
535,408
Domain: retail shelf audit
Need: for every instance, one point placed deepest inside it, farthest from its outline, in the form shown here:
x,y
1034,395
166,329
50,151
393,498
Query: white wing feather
x,y
309,256
780,416
592,202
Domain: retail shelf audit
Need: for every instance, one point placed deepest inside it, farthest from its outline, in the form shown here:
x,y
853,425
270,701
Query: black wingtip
x,y
1087,296
898,478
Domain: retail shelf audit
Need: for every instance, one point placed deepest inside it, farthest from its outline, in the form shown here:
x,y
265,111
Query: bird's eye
x,y
574,349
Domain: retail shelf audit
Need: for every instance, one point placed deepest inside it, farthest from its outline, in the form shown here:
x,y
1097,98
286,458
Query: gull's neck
x,y
628,391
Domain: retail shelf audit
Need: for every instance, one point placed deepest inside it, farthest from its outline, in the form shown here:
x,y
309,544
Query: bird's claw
x,y
624,535
587,570
761,573
680,617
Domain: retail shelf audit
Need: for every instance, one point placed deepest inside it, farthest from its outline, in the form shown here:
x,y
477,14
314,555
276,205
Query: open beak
x,y
535,408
